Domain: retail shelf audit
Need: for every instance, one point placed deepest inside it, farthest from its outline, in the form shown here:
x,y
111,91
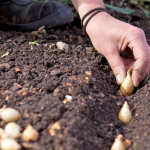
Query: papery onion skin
x,y
1,132
6,136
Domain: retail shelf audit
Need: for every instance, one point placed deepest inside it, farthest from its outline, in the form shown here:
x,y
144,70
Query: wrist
x,y
89,15
99,22
84,7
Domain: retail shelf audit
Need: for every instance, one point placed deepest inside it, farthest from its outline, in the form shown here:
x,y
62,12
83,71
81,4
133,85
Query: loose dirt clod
x,y
18,85
5,67
17,69
22,92
53,128
68,84
56,91
88,73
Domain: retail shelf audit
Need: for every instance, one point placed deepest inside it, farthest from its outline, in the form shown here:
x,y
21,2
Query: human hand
x,y
111,36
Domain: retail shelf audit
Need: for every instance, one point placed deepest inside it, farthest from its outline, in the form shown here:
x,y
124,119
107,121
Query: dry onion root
x,y
6,136
1,132
30,134
125,114
9,115
127,86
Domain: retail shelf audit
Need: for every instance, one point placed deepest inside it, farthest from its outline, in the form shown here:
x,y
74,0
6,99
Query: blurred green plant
x,y
33,43
119,9
144,5
63,1
121,3
134,145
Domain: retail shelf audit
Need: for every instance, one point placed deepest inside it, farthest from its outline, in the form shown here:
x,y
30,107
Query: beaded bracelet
x,y
94,12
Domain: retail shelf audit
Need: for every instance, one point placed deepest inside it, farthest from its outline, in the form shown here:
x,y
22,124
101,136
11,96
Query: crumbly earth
x,y
34,79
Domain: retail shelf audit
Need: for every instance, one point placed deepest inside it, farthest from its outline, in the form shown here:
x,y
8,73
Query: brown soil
x,y
37,78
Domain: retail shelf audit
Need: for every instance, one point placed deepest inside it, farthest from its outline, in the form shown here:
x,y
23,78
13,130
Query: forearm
x,y
83,6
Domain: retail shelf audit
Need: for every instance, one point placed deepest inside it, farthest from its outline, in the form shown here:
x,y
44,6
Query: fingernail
x,y
118,79
136,84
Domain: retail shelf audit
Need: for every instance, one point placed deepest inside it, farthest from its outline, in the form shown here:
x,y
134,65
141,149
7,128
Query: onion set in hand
x,y
127,86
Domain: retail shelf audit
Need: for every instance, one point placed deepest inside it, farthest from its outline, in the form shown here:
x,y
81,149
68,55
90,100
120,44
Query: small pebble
x,y
62,46
69,98
119,104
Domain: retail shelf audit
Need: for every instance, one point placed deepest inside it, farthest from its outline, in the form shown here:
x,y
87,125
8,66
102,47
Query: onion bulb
x,y
127,86
9,144
125,114
30,134
9,115
119,143
13,129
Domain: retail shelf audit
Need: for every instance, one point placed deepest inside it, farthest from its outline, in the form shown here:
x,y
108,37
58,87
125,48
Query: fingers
x,y
122,36
141,52
117,66
140,70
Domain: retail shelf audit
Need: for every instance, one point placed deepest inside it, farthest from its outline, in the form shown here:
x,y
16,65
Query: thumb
x,y
118,66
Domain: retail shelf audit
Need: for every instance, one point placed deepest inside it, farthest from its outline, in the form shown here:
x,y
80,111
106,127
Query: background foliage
x,y
143,5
